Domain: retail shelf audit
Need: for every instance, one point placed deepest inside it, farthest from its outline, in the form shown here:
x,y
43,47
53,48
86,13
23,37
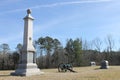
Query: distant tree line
x,y
50,53
8,59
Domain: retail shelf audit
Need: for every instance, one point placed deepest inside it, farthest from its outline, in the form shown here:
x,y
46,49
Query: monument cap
x,y
28,16
29,11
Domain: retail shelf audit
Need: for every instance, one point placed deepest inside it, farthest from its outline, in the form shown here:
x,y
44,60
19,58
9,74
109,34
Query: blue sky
x,y
61,19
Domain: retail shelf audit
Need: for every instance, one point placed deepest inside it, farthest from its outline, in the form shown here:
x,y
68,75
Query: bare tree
x,y
109,43
5,49
97,44
87,45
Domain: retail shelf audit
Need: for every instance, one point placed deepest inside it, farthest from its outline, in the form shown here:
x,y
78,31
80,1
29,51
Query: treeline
x,y
50,53
8,59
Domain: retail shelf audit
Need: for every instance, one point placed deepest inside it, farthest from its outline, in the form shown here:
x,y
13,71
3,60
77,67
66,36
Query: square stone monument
x,y
27,65
104,64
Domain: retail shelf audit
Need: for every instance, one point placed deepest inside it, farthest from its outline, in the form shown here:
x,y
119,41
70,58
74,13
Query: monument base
x,y
27,70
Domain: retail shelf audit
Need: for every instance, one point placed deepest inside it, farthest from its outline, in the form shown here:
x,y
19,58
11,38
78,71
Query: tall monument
x,y
27,65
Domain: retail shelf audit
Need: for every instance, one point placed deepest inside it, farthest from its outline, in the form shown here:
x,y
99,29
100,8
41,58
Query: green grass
x,y
83,73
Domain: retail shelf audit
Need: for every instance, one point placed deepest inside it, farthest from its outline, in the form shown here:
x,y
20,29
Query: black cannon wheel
x,y
69,66
60,67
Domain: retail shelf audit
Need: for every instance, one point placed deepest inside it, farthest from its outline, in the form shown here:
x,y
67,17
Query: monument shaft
x,y
28,49
28,33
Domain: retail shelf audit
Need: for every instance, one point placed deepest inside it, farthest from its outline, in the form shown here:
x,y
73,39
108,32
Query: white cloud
x,y
54,5
69,3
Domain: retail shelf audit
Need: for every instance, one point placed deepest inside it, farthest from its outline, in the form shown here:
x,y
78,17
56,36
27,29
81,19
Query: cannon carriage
x,y
65,67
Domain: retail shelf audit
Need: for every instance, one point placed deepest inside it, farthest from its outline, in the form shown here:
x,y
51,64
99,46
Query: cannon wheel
x,y
70,66
60,67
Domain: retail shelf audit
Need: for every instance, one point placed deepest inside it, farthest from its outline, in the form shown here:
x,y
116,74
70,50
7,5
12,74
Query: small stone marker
x,y
104,64
92,63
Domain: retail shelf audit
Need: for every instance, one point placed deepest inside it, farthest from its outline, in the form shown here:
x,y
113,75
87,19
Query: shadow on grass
x,y
1,75
97,69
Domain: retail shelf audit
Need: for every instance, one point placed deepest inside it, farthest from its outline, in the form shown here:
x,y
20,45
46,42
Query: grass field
x,y
83,73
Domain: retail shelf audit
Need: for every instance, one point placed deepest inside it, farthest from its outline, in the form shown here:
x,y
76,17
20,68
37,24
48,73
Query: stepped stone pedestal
x,y
27,65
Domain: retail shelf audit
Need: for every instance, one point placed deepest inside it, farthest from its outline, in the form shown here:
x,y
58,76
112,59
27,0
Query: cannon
x,y
65,67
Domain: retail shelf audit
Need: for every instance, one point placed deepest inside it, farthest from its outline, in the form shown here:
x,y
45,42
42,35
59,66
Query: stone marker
x,y
27,65
92,63
104,64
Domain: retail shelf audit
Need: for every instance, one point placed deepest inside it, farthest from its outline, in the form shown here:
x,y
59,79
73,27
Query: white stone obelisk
x,y
27,65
